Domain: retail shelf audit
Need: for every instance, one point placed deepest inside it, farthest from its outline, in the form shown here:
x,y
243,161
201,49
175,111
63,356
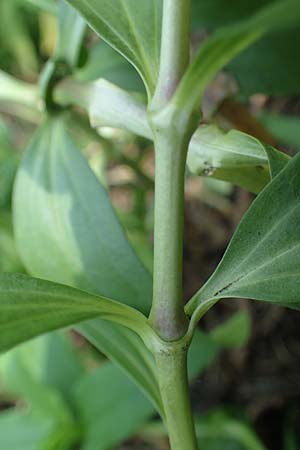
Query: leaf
x,y
215,430
8,168
284,128
19,42
277,160
73,237
233,333
69,211
133,356
217,13
251,69
71,28
45,5
31,306
233,156
9,258
19,430
132,28
39,425
37,357
221,430
113,68
219,49
117,402
125,404
262,260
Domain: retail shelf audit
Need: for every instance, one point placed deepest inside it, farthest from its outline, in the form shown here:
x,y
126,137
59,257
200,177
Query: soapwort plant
x,y
83,270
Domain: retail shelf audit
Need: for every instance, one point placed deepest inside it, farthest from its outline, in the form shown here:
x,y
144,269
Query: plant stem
x,y
167,314
172,130
175,49
172,375
171,137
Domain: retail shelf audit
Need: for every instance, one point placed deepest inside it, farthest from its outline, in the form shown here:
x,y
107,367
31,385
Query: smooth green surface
x,y
216,13
262,259
252,71
110,408
9,258
174,387
30,306
73,237
219,49
104,62
175,49
72,233
40,423
28,432
233,156
16,37
285,128
167,313
71,28
233,333
131,27
45,5
222,430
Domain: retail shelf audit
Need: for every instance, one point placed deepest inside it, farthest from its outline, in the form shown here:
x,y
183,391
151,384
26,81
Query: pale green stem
x,y
175,49
172,131
172,376
167,314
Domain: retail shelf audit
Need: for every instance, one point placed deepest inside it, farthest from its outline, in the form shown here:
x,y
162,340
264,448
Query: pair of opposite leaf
x,y
51,183
68,211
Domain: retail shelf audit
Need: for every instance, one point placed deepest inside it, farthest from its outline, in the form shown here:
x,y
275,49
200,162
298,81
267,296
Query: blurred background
x,y
248,393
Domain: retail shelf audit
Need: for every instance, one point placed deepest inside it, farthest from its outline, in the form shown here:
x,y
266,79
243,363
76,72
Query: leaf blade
x,y
47,256
30,306
228,42
130,28
262,260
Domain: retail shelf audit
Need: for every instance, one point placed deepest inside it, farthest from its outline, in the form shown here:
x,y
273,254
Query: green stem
x,y
171,138
175,49
167,313
172,375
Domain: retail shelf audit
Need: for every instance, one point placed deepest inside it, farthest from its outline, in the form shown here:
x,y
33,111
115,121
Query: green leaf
x,y
117,402
19,430
217,13
31,306
262,260
233,333
71,28
284,128
9,258
221,430
125,404
15,36
233,156
132,28
39,425
113,68
45,5
37,358
251,68
69,233
277,160
219,49
216,430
